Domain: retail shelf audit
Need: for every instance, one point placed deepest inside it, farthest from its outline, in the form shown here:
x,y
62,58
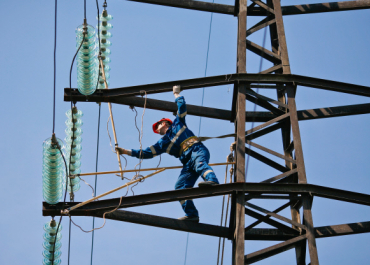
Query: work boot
x,y
189,218
206,183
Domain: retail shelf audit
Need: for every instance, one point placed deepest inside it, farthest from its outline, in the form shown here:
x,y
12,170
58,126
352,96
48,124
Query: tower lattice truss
x,y
296,231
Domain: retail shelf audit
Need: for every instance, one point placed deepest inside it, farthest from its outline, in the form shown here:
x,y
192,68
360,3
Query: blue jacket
x,y
170,143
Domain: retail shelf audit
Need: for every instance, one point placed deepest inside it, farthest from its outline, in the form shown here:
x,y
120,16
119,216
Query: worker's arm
x,y
150,152
181,105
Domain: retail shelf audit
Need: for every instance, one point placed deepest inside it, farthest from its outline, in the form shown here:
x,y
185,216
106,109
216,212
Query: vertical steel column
x,y
279,45
239,233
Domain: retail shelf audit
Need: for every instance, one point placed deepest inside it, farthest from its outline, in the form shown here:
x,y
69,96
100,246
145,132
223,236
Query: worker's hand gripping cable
x,y
123,151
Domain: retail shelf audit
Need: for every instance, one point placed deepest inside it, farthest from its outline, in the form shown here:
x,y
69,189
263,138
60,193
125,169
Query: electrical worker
x,y
180,142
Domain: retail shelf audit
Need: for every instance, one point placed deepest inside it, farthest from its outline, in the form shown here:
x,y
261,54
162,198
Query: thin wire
x,y
222,217
200,118
64,200
69,241
73,60
70,218
96,181
70,155
55,49
205,71
55,52
186,249
97,7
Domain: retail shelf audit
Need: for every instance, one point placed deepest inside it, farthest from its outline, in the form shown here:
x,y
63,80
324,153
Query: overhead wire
x,y
54,92
200,118
96,182
73,131
55,67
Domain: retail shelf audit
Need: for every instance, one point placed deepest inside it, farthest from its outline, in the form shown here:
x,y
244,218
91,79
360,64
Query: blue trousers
x,y
195,167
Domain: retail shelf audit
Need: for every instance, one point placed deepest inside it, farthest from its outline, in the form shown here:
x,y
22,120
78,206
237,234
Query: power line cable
x,y
69,241
205,70
96,181
200,118
55,51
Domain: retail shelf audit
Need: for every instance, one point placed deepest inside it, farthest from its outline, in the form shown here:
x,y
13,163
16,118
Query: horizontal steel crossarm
x,y
212,230
320,232
192,109
100,95
258,116
273,250
106,95
194,5
165,222
177,195
330,112
314,8
343,229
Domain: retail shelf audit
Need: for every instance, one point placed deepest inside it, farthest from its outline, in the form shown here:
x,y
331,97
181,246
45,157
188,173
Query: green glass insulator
x,y
49,255
52,172
76,140
105,18
105,43
52,243
49,247
87,61
108,26
104,34
73,133
49,262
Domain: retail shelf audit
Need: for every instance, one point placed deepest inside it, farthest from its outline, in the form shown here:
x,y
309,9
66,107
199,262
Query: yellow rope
x,y
66,211
145,169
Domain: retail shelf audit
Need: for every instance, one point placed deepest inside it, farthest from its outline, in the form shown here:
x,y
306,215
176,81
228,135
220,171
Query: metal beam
x,y
177,195
268,216
314,8
264,53
258,116
341,230
105,95
330,112
280,226
200,111
164,222
277,216
273,250
265,160
193,5
239,176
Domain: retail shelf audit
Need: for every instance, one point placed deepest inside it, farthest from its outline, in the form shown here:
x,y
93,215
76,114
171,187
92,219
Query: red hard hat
x,y
155,125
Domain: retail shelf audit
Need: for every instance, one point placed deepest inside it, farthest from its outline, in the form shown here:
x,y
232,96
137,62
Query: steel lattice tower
x,y
297,231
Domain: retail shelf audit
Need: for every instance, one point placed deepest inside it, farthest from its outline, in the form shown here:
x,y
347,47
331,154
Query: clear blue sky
x,y
156,44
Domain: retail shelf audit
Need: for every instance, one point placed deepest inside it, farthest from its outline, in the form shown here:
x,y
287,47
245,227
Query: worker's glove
x,y
123,151
176,91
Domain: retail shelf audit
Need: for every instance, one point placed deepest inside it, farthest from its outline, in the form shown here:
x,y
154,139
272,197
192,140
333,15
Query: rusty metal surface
x,y
176,195
314,8
102,95
194,5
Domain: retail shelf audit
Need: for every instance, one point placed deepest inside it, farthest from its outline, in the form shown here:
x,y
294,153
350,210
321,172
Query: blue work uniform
x,y
194,158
